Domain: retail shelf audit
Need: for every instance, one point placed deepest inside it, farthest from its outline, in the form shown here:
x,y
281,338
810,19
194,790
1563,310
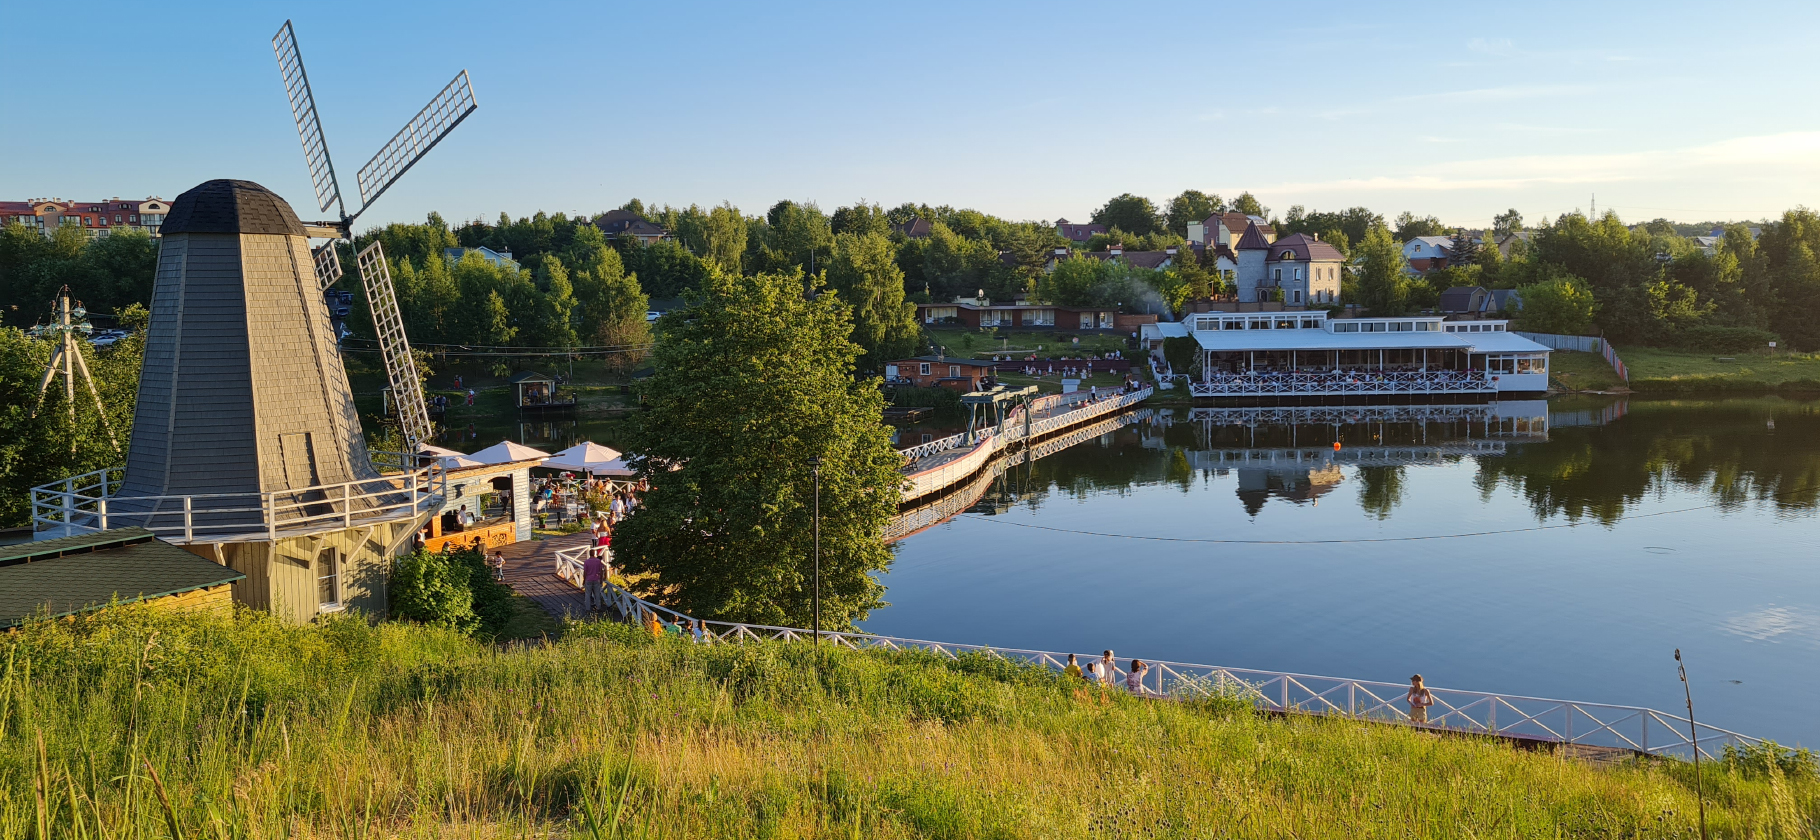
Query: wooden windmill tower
x,y
246,446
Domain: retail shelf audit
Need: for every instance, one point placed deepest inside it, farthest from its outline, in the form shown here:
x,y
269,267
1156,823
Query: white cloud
x,y
1777,154
1501,47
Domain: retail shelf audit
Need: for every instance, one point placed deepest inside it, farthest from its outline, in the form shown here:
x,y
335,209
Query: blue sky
x,y
1028,111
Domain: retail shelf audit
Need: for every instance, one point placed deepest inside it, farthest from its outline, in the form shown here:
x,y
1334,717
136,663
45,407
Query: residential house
x,y
915,228
96,218
615,223
1477,301
1708,244
499,259
1509,241
1227,228
1135,259
962,375
1078,234
1301,267
69,575
1023,316
1427,253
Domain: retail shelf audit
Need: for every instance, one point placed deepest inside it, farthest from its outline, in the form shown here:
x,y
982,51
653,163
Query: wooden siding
x,y
282,577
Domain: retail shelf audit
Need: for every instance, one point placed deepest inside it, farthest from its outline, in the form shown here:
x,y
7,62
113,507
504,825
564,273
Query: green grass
x,y
1654,369
142,724
965,342
1583,371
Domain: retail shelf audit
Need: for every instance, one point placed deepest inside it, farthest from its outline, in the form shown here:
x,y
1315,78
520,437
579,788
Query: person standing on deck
x,y
593,577
1134,679
1108,669
1420,698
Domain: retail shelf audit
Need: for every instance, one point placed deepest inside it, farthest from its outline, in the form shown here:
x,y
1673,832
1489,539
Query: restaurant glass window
x,y
1346,328
1287,323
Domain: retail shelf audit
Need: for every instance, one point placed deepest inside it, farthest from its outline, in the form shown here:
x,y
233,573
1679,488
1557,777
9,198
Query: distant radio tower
x,y
68,361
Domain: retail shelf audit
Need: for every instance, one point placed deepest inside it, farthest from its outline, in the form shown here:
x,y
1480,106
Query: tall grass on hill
x,y
141,724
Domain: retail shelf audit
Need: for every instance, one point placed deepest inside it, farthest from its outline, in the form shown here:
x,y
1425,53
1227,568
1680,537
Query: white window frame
x,y
330,569
923,368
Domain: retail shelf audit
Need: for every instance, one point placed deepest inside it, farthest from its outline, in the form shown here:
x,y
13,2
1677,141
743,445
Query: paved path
x,y
531,572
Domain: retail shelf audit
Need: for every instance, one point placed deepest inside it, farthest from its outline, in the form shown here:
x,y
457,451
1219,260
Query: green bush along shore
x,y
135,723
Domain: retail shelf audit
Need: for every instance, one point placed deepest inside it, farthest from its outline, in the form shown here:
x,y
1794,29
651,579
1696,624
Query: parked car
x,y
106,338
652,315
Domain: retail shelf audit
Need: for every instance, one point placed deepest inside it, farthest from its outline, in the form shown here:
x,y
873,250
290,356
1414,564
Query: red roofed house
x,y
617,223
1227,228
96,218
1304,268
1077,233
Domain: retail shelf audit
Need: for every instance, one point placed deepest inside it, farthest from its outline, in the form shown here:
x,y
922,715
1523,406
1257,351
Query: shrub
x,y
1180,352
452,589
1755,761
432,588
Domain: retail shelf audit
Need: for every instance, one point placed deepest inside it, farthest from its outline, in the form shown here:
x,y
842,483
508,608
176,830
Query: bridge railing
x,y
1364,382
1631,728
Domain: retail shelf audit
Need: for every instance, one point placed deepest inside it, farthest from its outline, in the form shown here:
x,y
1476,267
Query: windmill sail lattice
x,y
303,110
328,265
422,133
400,368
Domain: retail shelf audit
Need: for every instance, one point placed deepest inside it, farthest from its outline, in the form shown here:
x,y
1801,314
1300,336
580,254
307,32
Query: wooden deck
x,y
531,572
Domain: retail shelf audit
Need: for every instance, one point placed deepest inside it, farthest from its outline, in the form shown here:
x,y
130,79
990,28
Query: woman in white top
x,y
1134,679
1108,672
1420,698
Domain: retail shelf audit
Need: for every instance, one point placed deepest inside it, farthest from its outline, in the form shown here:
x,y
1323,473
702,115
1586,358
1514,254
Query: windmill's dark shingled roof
x,y
225,206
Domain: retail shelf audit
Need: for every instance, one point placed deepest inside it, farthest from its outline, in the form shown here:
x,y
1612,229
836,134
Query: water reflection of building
x,y
1297,453
1295,484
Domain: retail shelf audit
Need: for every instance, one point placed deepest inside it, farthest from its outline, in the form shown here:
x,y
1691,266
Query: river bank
x,y
350,729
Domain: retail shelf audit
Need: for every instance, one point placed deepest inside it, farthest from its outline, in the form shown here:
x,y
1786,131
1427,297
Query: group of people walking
x,y
1105,672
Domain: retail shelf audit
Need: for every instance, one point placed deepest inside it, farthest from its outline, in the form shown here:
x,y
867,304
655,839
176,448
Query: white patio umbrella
x,y
506,452
584,457
451,460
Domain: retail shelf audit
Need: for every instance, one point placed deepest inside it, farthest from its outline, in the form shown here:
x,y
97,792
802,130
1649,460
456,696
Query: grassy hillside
x,y
1653,369
136,724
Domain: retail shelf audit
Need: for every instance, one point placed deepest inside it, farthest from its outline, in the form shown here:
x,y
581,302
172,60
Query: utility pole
x,y
67,360
815,599
1694,733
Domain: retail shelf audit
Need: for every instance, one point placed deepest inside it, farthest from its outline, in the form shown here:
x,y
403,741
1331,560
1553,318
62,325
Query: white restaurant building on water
x,y
1292,354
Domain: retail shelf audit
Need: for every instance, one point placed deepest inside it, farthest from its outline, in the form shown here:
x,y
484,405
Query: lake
x,y
1607,534
1622,530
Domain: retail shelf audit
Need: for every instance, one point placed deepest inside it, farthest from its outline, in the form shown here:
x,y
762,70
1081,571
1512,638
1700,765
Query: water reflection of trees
x,y
1380,490
1735,452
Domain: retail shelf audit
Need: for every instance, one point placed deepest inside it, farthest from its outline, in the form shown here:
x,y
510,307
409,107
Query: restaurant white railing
x,y
92,502
1631,728
1363,382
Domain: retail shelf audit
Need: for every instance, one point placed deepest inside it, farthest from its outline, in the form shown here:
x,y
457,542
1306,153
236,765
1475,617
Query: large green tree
x,y
1383,287
1191,206
753,379
1132,214
864,272
1561,304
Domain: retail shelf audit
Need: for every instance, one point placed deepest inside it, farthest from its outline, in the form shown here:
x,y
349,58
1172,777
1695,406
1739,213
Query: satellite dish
x,y
445,111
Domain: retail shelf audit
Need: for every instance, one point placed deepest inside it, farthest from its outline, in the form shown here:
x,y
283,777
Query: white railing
x,y
571,562
1632,728
91,502
1362,382
923,450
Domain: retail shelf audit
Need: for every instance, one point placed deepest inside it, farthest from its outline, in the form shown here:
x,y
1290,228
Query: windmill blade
x,y
303,110
394,348
417,138
328,265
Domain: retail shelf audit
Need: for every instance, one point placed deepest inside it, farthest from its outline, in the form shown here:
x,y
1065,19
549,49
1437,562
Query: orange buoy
x,y
1336,446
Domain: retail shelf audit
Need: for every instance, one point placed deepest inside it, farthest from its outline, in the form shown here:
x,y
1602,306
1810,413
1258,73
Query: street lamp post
x,y
815,599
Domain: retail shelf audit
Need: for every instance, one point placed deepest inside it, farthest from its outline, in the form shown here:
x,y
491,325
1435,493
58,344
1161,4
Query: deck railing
x,y
91,502
1631,728
1364,382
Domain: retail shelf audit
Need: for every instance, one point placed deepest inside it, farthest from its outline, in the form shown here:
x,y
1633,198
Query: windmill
x,y
445,111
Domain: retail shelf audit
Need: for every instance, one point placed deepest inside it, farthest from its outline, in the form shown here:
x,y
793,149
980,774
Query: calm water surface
x,y
1628,529
1690,524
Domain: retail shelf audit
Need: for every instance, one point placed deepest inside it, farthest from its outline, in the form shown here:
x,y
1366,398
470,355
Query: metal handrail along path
x,y
1633,728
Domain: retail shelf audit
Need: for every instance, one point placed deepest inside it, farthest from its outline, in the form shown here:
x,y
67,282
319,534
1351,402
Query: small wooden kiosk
x,y
537,393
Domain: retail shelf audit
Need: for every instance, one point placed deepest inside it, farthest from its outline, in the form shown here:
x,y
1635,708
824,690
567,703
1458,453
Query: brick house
x,y
941,372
